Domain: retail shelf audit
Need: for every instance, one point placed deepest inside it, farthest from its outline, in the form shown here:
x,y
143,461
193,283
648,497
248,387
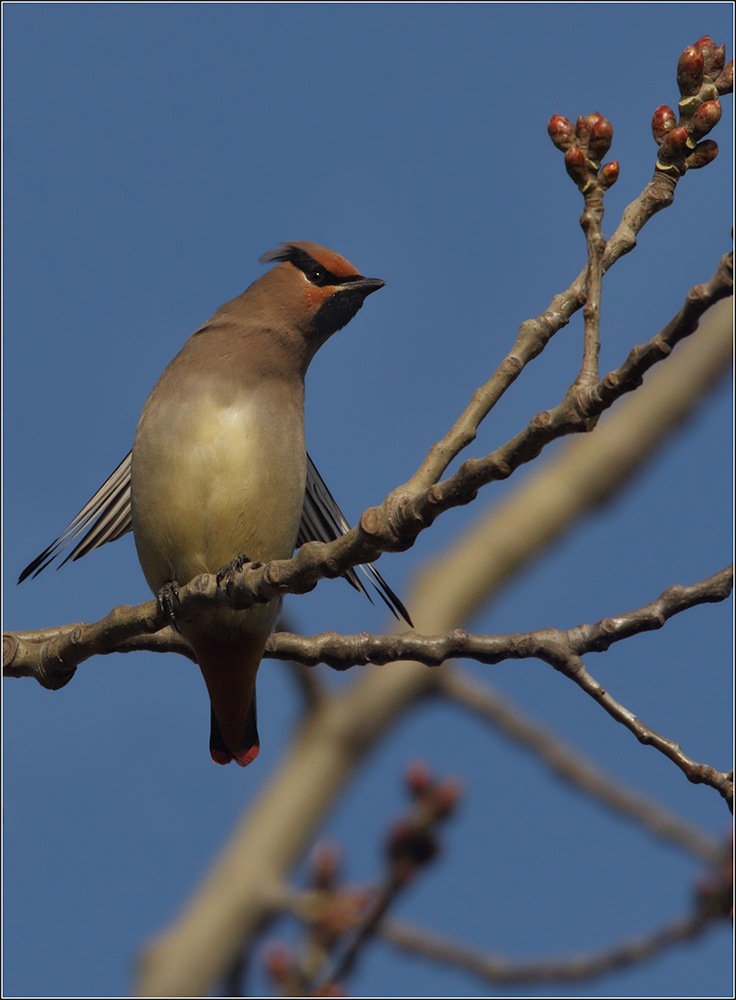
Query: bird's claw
x,y
168,601
227,573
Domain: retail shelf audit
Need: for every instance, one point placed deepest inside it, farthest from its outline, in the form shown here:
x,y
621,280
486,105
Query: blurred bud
x,y
340,914
724,83
663,121
446,797
418,779
575,165
690,71
609,174
714,56
703,154
410,846
278,962
561,132
600,136
330,990
714,892
674,145
325,866
705,118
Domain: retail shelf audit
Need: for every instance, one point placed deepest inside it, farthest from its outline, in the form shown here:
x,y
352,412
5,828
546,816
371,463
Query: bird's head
x,y
320,290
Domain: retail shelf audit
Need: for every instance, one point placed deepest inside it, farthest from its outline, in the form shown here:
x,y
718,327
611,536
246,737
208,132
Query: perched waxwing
x,y
219,469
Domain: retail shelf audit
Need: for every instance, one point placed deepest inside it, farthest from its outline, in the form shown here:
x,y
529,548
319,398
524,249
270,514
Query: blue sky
x,y
152,153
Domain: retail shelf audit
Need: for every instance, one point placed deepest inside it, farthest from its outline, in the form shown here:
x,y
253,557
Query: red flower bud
x,y
705,118
714,56
278,961
325,866
410,845
599,136
724,83
582,128
690,71
418,780
330,990
663,121
703,154
575,165
673,145
446,797
561,132
609,174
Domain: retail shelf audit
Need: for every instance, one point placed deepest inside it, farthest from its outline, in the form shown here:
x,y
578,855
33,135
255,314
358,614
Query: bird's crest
x,y
309,256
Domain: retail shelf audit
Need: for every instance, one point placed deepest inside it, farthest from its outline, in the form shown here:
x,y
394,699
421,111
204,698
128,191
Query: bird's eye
x,y
316,276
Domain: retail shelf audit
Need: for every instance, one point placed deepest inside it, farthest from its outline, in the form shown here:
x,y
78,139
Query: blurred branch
x,y
573,767
243,889
500,970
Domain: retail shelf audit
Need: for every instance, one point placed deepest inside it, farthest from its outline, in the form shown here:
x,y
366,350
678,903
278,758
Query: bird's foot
x,y
227,573
168,601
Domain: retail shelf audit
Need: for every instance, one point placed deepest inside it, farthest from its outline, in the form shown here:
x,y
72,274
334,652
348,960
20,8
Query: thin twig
x,y
535,334
572,667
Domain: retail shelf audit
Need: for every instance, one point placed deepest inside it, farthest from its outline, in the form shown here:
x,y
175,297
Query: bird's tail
x,y
250,744
229,671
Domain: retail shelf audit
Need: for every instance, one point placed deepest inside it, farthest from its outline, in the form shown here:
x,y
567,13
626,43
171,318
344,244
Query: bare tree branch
x,y
52,658
572,415
344,651
562,650
244,887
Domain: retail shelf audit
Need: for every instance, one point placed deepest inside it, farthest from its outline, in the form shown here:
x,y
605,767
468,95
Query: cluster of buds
x,y
335,910
702,79
330,910
584,145
412,841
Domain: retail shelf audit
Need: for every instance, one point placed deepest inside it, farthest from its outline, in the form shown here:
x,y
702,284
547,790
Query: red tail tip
x,y
245,757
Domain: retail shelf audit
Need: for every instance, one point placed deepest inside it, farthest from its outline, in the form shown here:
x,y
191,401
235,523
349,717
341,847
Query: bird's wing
x,y
323,521
105,518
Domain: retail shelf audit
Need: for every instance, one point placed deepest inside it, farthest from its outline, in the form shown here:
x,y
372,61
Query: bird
x,y
219,472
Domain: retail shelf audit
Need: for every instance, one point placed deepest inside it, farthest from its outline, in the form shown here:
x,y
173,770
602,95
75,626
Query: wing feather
x,y
323,521
107,517
104,518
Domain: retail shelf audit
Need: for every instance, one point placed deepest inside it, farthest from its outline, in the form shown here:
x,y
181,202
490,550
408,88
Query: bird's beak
x,y
367,285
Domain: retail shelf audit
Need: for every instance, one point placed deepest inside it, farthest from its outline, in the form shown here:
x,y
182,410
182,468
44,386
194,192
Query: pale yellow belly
x,y
210,481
